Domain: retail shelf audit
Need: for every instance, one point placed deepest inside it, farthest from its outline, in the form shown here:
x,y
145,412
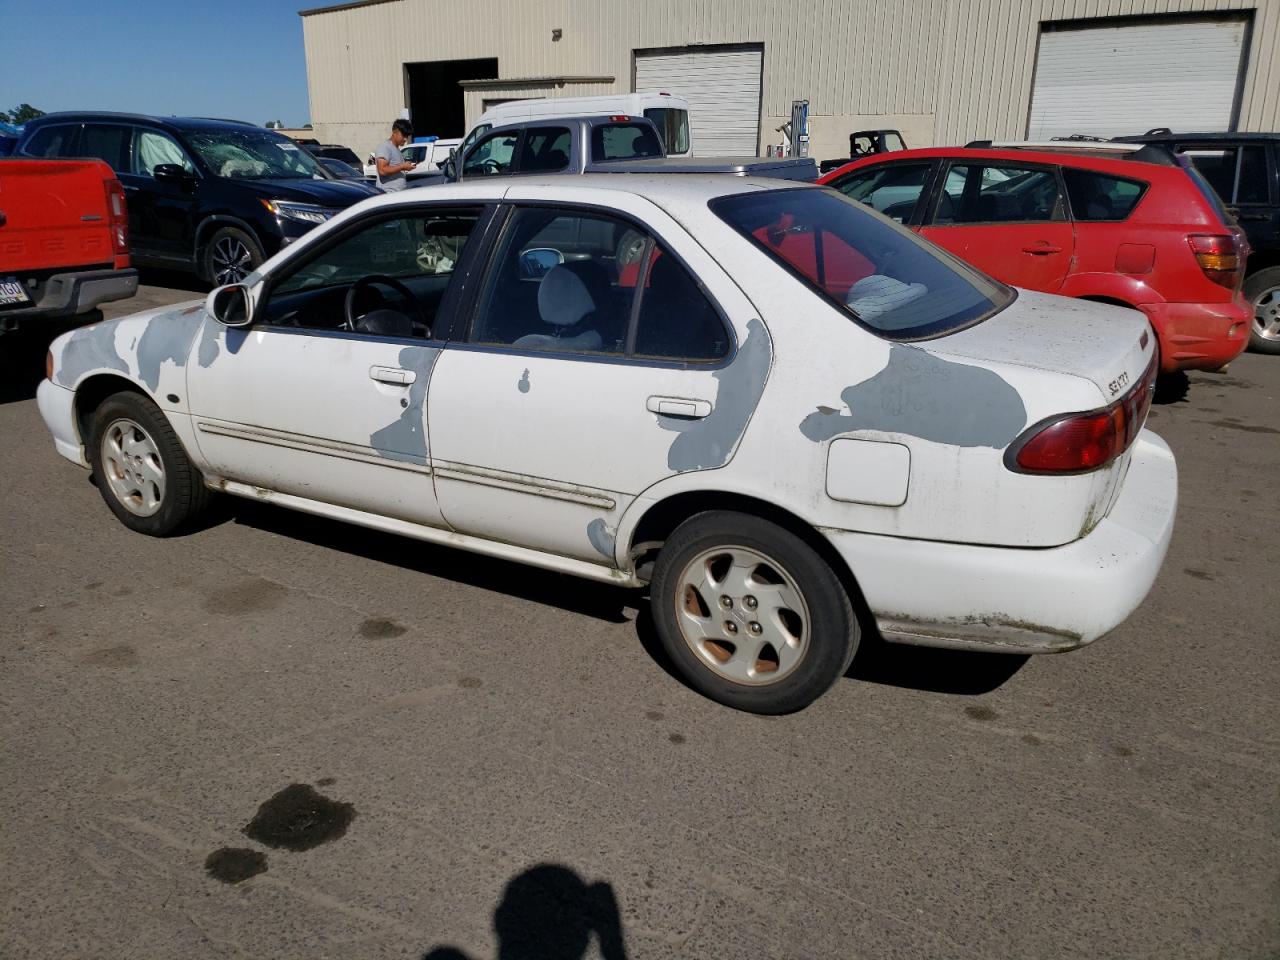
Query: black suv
x,y
216,197
1244,169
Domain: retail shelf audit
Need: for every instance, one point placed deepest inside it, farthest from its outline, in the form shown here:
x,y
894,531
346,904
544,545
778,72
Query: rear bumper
x,y
1016,600
70,294
1200,336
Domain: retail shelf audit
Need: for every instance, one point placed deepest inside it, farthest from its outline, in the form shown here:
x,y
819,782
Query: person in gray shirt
x,y
390,161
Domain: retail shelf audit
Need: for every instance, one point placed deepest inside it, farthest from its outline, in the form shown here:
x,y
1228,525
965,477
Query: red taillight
x,y
1219,257
1081,442
620,118
118,218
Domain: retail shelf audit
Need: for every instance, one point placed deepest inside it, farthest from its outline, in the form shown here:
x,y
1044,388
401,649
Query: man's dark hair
x,y
404,126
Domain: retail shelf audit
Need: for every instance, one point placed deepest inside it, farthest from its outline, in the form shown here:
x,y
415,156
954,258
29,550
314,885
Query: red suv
x,y
1135,227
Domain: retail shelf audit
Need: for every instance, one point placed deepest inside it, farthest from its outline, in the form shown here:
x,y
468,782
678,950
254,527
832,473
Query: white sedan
x,y
791,419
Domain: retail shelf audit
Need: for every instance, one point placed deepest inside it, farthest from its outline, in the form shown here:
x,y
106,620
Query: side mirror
x,y
450,169
170,172
230,305
537,262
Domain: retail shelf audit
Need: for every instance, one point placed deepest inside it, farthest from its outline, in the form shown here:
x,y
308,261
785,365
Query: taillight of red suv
x,y
118,222
1219,256
1081,442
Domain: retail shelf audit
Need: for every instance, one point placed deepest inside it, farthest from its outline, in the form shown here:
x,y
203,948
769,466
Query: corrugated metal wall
x,y
947,70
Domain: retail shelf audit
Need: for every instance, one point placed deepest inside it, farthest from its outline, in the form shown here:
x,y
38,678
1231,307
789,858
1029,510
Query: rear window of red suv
x,y
1099,196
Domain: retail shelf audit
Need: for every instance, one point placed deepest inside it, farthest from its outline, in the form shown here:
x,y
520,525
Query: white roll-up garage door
x,y
723,90
1105,81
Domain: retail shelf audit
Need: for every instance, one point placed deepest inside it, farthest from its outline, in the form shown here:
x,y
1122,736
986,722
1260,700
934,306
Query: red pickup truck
x,y
64,241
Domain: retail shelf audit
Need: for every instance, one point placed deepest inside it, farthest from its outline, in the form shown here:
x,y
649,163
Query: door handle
x,y
681,407
1041,248
397,375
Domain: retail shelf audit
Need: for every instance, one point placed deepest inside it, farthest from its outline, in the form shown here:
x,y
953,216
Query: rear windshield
x,y
624,141
674,126
883,276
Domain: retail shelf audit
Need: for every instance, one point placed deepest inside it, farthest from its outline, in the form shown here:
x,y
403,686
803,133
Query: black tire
x,y
220,246
184,496
831,637
1263,282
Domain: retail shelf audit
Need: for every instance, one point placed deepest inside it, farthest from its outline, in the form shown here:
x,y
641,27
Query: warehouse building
x,y
940,71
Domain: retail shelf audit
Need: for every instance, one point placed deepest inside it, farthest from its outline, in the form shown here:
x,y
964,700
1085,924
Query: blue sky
x,y
240,59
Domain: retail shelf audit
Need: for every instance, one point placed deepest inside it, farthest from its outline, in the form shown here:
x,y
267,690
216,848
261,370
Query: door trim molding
x,y
522,483
318,445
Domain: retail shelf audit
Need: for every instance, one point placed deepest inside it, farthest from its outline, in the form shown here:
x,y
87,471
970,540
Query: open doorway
x,y
434,96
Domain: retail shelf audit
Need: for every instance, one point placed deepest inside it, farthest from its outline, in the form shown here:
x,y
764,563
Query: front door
x,y
324,396
593,367
1006,219
161,212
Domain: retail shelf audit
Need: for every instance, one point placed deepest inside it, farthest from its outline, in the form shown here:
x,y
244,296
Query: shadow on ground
x,y
548,912
22,355
917,668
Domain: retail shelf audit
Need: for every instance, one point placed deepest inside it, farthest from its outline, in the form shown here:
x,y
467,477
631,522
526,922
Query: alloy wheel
x,y
742,615
1266,314
132,466
232,261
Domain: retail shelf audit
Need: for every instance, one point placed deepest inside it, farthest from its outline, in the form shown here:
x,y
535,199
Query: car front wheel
x,y
750,614
1263,291
230,256
141,469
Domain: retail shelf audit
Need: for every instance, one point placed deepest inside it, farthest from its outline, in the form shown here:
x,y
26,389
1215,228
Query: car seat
x,y
566,304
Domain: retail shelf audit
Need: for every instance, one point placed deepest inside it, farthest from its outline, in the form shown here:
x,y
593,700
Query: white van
x,y
669,113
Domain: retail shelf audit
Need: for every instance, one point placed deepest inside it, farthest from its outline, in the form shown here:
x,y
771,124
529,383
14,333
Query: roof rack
x,y
1142,153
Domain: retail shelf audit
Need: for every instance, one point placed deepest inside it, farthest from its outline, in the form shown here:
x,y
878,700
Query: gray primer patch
x,y
90,348
926,396
523,385
167,336
707,443
601,537
406,439
208,350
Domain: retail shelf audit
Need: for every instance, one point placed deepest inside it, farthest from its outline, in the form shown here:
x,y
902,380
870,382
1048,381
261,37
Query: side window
x,y
109,142
893,189
546,149
1096,196
1252,187
978,193
152,148
54,141
406,263
624,141
569,282
492,155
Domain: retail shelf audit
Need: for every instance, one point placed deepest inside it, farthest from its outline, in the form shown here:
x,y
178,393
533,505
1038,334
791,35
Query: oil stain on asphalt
x,y
235,864
298,818
379,628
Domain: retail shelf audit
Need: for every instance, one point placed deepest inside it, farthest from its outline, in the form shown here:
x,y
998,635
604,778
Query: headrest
x,y
877,294
563,299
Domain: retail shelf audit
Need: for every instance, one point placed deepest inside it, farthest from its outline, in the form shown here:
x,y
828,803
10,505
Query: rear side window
x,y
624,141
893,189
1252,187
1210,195
983,193
109,142
674,126
545,149
53,141
884,277
1096,196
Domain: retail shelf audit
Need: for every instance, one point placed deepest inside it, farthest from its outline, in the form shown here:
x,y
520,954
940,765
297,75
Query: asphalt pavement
x,y
280,736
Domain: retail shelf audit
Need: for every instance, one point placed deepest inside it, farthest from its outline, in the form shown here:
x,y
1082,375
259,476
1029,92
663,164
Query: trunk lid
x,y
1107,345
55,215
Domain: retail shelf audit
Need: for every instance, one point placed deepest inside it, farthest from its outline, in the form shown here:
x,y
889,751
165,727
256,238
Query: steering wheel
x,y
419,320
490,165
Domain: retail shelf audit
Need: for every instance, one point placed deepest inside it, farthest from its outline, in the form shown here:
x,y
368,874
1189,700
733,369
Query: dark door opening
x,y
435,98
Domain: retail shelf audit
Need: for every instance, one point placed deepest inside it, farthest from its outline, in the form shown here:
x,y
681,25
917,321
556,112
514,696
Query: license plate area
x,y
12,292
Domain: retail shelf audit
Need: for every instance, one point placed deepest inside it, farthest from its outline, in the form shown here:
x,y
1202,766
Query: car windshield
x,y
883,276
251,155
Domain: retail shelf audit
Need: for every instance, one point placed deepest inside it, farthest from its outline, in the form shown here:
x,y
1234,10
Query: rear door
x,y
1009,219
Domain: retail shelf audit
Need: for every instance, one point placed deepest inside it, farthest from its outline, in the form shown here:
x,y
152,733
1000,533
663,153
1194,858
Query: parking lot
x,y
516,756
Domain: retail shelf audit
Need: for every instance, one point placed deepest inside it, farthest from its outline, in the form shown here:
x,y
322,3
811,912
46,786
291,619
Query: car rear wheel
x,y
750,614
230,256
141,469
1263,291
